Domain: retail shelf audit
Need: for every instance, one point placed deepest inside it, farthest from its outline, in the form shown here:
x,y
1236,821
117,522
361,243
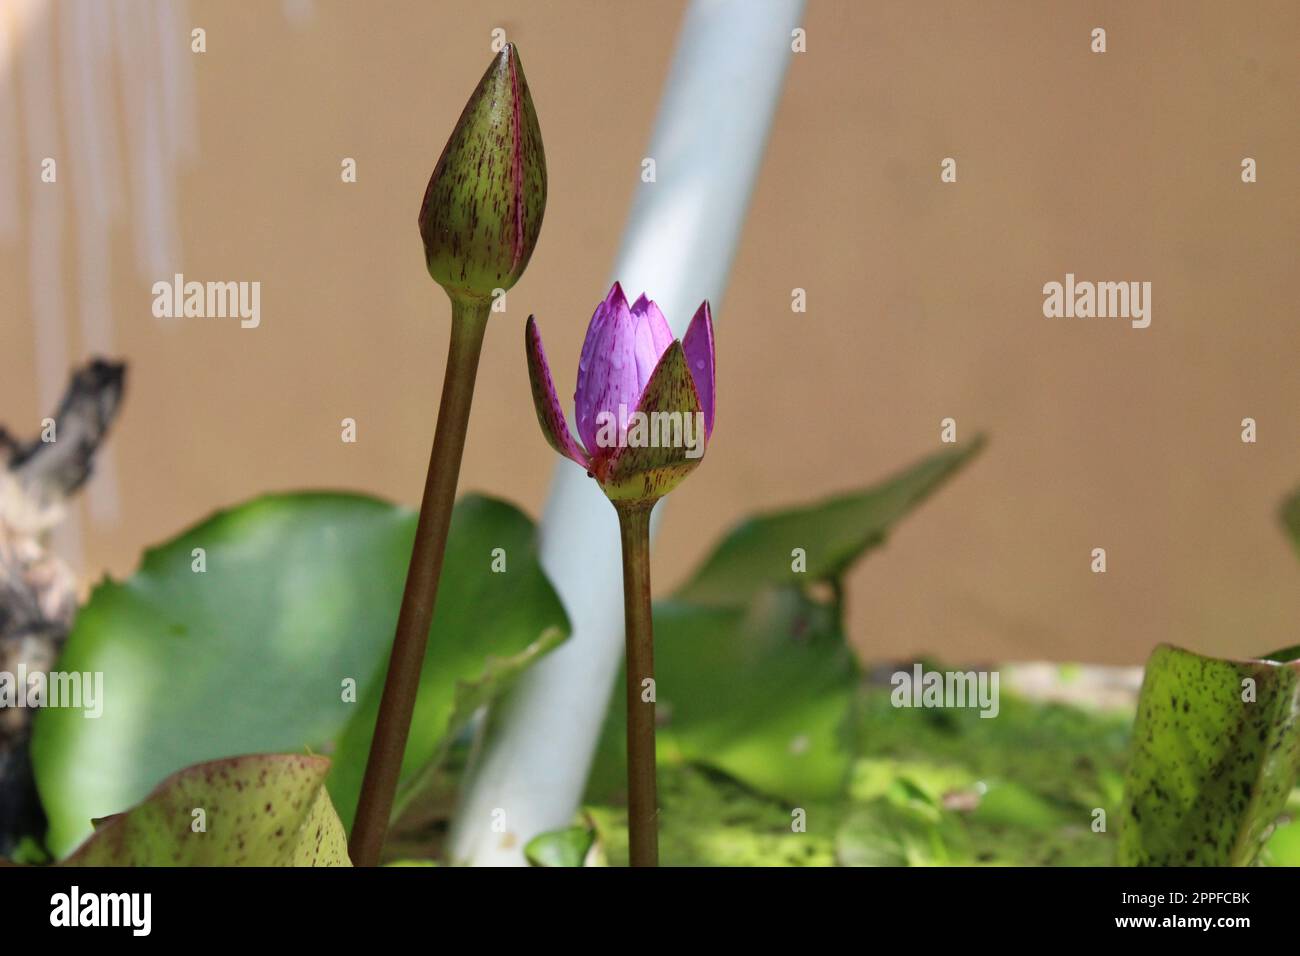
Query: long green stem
x,y
642,800
468,323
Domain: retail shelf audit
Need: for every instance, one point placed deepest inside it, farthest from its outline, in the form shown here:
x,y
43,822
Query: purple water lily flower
x,y
644,404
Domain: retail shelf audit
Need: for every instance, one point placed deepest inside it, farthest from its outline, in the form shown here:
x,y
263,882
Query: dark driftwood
x,y
37,592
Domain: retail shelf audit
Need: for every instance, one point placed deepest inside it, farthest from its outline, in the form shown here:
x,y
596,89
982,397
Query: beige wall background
x,y
924,299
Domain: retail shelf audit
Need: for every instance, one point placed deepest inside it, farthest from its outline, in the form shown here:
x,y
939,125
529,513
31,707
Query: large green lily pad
x,y
279,643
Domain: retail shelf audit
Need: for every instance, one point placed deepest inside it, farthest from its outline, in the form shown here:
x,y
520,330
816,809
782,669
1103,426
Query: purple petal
x,y
607,375
599,319
549,413
700,358
653,336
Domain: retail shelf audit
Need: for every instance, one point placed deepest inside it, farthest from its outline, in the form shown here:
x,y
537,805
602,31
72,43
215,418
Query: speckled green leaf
x,y
832,533
1210,771
261,810
567,847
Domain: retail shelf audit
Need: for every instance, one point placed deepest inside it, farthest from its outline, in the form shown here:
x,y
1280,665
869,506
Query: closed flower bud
x,y
483,207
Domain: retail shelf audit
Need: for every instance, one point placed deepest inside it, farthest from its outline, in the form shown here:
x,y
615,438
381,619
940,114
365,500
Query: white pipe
x,y
721,93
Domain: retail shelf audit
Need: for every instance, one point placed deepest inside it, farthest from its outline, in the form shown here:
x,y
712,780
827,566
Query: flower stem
x,y
468,322
642,801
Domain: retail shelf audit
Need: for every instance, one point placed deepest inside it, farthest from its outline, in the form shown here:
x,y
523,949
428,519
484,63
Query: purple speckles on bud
x,y
483,207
